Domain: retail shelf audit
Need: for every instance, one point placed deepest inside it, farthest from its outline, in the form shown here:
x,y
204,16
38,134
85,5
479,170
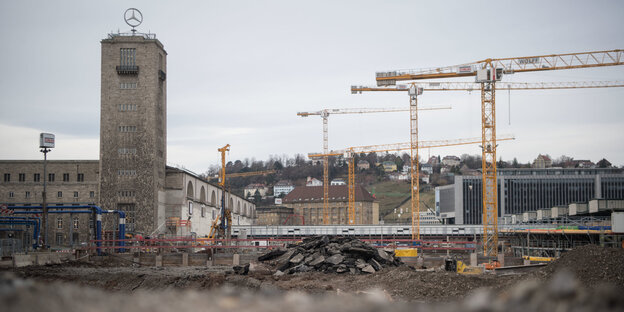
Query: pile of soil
x,y
591,264
330,255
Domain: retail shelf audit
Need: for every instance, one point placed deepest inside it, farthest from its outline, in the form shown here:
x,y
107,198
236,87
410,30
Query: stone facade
x,y
277,216
197,202
68,182
133,130
308,202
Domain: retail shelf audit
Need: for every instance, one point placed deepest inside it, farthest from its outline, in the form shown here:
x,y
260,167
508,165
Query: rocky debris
x,y
330,254
592,265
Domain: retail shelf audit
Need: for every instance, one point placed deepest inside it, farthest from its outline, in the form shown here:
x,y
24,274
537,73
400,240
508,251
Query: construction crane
x,y
351,151
488,72
222,224
325,115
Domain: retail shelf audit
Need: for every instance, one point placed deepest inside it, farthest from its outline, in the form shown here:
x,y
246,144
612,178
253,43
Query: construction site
x,y
140,234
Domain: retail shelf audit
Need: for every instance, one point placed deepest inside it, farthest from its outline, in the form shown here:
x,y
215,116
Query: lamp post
x,y
46,143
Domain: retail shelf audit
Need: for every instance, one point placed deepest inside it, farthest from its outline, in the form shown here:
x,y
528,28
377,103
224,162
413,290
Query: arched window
x,y
213,199
202,195
189,190
238,208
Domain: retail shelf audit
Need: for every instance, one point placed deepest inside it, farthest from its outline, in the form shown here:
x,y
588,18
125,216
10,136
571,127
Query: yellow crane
x,y
325,116
487,73
222,224
351,151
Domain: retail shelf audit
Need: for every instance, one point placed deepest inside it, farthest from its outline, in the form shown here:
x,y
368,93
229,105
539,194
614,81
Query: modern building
x,y
527,190
282,187
426,168
308,202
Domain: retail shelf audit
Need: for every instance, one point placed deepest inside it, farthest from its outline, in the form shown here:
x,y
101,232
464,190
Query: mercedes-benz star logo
x,y
133,17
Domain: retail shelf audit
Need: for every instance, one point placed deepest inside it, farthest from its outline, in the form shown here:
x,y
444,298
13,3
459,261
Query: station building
x,y
131,174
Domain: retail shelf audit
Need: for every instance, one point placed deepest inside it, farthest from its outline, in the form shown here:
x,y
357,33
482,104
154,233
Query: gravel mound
x,y
591,264
330,254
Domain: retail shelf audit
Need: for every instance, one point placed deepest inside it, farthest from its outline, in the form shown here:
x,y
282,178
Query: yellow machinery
x,y
487,72
222,224
539,259
351,151
462,268
325,115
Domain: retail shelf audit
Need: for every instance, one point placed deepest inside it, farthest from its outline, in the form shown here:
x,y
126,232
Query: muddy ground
x,y
591,270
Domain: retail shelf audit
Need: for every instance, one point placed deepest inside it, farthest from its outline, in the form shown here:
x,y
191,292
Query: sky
x,y
239,71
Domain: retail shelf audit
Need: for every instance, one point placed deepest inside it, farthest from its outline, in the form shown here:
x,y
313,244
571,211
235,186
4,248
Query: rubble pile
x,y
330,254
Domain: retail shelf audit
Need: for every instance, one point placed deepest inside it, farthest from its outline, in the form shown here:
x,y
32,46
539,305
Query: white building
x,y
313,182
282,187
451,161
251,189
338,182
426,168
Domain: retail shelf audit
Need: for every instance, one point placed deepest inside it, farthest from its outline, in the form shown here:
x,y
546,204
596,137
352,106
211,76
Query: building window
x,y
91,222
75,223
50,177
214,214
126,151
65,177
75,194
37,177
11,194
130,210
7,177
59,223
203,211
22,177
80,177
126,194
127,128
126,173
128,57
190,211
59,239
59,194
127,107
128,85
27,194
92,194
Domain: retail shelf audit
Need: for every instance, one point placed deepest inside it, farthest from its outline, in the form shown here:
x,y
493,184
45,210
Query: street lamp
x,y
46,143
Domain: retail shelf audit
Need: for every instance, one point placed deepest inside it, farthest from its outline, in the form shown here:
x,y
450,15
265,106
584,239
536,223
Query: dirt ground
x,y
594,282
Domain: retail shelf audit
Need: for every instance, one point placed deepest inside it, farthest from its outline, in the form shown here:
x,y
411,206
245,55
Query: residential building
x,y
278,216
434,160
399,176
426,168
308,202
251,189
542,161
451,161
363,165
282,187
313,182
338,182
389,166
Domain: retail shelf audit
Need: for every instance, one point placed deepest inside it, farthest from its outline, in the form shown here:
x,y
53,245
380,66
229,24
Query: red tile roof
x,y
336,193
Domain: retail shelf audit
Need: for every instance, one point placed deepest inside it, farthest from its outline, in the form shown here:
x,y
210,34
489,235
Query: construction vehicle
x,y
487,73
454,265
492,265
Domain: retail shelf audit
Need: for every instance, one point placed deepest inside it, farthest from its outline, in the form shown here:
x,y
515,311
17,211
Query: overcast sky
x,y
239,71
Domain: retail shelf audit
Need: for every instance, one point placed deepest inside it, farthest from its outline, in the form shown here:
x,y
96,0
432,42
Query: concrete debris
x,y
330,254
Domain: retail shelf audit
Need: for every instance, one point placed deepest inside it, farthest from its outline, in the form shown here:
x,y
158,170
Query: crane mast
x,y
487,73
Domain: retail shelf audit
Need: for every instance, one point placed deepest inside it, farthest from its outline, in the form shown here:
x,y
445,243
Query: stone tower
x,y
133,132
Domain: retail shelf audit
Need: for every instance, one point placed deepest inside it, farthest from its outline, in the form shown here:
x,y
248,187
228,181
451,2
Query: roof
x,y
336,193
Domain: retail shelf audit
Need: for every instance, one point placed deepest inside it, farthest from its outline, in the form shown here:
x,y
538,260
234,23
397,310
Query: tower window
x,y
50,177
7,177
127,107
80,177
128,85
65,177
22,177
127,62
37,177
127,128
